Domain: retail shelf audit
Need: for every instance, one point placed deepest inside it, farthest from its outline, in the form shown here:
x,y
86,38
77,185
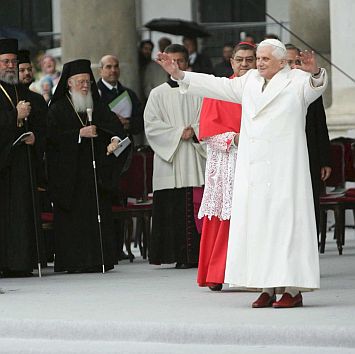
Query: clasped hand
x,y
187,133
23,110
30,140
88,132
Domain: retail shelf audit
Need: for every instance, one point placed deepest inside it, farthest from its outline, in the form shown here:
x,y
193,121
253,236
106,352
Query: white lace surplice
x,y
219,176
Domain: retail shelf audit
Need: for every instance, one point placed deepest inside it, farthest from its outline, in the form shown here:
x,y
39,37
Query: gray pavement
x,y
139,308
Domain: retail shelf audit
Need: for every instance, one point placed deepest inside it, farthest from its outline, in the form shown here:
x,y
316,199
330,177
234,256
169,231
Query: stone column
x,y
309,19
341,115
93,28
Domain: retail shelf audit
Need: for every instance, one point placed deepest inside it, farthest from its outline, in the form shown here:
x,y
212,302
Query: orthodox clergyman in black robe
x,y
71,174
18,252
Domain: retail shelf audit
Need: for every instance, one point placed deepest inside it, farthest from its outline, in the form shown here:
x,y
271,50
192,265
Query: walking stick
x,y
89,113
34,204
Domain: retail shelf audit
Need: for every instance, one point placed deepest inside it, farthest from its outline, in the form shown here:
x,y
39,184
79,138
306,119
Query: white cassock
x,y
177,163
272,238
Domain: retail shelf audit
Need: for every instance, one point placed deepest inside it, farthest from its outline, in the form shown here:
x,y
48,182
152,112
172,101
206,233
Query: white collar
x,y
109,86
192,57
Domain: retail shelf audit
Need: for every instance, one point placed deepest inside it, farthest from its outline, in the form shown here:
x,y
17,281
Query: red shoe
x,y
287,301
264,300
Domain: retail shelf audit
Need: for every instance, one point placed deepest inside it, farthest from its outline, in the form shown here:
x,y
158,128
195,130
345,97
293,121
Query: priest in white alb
x,y
273,240
171,126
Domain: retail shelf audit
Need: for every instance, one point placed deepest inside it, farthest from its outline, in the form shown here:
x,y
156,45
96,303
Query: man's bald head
x,y
110,69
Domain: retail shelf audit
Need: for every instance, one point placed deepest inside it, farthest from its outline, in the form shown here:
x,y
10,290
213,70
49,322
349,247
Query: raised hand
x,y
170,66
308,62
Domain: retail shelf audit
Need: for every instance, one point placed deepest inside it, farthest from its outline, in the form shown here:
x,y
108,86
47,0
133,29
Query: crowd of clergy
x,y
239,162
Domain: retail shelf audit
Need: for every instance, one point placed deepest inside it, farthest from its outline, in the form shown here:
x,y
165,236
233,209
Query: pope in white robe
x,y
273,240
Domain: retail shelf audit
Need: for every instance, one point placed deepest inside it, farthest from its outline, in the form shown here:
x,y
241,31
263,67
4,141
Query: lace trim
x,y
219,177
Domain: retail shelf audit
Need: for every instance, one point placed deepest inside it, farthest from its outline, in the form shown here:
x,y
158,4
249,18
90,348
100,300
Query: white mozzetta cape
x,y
272,239
177,163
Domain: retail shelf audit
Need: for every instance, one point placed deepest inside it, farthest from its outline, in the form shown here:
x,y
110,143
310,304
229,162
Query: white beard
x,y
9,77
82,102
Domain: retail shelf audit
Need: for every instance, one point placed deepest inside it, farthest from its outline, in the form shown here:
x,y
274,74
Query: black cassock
x,y
71,186
318,148
17,236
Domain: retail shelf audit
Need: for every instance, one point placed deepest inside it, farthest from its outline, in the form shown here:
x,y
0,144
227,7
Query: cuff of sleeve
x,y
184,83
116,137
79,140
318,80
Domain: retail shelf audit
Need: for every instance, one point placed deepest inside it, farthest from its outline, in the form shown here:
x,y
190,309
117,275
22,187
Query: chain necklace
x,y
81,121
19,122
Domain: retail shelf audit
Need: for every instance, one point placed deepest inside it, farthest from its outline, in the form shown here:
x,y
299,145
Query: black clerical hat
x,y
23,56
8,46
75,67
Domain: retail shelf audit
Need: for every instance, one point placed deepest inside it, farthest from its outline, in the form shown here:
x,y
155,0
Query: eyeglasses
x,y
84,82
8,61
240,60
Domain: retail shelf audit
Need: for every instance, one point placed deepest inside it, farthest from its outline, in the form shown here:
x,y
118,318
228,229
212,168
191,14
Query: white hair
x,y
279,49
10,76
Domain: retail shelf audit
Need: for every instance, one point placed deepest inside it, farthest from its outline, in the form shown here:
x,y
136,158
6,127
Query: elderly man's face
x,y
25,73
243,61
8,66
80,83
267,64
110,70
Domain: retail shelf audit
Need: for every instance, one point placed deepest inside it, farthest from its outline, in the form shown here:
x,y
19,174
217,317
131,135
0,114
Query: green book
x,y
122,105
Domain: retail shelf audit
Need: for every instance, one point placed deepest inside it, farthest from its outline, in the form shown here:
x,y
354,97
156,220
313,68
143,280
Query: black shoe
x,y
185,265
122,255
217,287
16,274
94,269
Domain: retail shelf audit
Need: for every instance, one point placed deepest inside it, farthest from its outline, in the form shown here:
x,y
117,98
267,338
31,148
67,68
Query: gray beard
x,y
9,77
82,102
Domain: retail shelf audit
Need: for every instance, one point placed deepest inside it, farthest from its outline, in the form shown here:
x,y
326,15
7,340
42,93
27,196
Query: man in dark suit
x,y
110,88
224,68
317,139
130,114
198,62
